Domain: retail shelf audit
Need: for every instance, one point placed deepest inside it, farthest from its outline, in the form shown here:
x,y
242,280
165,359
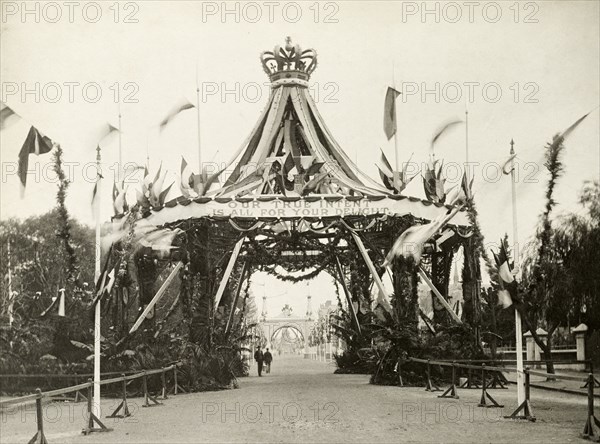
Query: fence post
x,y
589,431
430,386
451,391
39,437
163,381
485,396
91,417
175,380
525,407
400,381
147,396
123,403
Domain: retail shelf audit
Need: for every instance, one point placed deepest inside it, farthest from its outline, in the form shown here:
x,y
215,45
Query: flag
x,y
508,164
119,195
61,303
186,183
462,194
387,175
385,171
95,191
433,182
508,285
389,112
103,132
180,106
35,143
5,114
441,131
411,242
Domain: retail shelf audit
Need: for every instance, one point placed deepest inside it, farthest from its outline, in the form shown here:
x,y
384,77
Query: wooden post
x,y
147,396
525,407
451,391
92,418
589,431
485,396
39,437
123,404
430,386
163,380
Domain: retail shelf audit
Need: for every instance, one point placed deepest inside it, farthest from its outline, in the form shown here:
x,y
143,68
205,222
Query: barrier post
x,y
39,437
589,431
163,381
525,407
147,396
91,417
123,404
176,387
400,381
593,379
430,386
485,396
470,382
451,391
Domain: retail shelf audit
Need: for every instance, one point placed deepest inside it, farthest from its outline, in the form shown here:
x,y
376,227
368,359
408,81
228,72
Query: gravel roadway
x,y
303,401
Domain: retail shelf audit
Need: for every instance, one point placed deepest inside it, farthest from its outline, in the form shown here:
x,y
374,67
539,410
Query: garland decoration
x,y
64,231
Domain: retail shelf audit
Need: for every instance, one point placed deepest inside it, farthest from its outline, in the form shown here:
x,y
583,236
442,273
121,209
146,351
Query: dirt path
x,y
303,401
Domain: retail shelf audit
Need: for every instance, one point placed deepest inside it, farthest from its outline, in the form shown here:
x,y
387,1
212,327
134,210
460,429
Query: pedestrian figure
x,y
259,358
268,357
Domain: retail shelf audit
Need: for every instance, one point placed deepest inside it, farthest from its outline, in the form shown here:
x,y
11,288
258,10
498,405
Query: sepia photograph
x,y
299,221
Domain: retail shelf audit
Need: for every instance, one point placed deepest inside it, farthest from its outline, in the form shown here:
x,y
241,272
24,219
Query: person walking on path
x,y
268,357
259,358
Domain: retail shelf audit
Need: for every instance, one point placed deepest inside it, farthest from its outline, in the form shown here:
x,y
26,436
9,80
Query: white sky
x,y
556,59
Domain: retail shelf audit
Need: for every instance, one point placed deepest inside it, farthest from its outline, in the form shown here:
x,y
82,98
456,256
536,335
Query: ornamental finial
x,y
289,64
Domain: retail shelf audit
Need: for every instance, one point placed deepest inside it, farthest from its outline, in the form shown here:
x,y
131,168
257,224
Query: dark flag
x,y
389,112
507,294
35,143
179,107
441,131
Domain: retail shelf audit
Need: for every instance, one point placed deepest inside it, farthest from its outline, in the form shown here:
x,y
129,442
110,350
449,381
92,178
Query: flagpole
x,y
466,139
10,293
120,147
396,149
97,271
198,114
518,327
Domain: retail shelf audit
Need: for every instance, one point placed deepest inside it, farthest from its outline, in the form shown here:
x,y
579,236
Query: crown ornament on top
x,y
289,64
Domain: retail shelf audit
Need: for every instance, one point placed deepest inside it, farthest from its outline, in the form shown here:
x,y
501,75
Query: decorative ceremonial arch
x,y
270,326
294,202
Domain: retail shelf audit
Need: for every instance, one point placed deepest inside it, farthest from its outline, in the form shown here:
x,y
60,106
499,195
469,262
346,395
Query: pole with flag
x,y
120,174
97,273
390,125
396,149
198,113
518,327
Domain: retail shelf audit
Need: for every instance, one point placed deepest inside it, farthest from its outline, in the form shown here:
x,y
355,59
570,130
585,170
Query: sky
x,y
524,71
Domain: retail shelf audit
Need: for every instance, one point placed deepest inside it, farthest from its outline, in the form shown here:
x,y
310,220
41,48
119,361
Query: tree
x,y
556,271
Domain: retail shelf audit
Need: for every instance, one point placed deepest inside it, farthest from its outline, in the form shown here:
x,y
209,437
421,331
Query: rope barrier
x,y
523,411
93,422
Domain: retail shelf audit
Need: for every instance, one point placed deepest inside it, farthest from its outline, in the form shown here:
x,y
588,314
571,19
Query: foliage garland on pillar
x,y
64,231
